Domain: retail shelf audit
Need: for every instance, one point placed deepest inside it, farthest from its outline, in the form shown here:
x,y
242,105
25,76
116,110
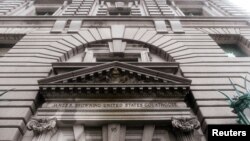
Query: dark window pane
x,y
232,50
4,48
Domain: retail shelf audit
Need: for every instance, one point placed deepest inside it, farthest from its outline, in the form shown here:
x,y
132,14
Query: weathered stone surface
x,y
59,26
130,33
10,134
15,113
113,132
29,104
45,41
117,31
176,26
148,132
140,33
79,133
210,112
160,26
75,26
19,95
13,124
86,36
105,33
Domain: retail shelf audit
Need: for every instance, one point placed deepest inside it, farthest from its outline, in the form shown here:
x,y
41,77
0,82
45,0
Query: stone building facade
x,y
119,70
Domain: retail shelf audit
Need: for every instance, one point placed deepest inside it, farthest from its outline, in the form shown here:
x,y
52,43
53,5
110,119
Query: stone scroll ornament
x,y
42,125
185,125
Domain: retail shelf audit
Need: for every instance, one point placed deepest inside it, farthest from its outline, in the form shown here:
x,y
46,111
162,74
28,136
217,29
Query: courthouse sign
x,y
114,105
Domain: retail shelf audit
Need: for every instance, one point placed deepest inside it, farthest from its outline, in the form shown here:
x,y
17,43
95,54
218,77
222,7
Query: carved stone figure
x,y
117,77
42,125
185,124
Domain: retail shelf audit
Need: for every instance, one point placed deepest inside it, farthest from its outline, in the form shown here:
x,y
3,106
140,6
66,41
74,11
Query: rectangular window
x,y
196,12
43,11
232,50
231,44
192,12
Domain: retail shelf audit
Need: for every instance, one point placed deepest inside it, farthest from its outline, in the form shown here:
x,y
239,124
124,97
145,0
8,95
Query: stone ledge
x,y
13,124
6,132
15,113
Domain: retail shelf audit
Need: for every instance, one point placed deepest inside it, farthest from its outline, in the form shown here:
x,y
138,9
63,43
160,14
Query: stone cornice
x,y
126,18
48,21
170,67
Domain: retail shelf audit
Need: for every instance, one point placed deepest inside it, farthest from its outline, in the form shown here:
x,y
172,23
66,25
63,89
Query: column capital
x,y
42,125
185,124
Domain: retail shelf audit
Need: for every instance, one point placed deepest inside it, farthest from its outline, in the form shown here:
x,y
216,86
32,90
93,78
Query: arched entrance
x,y
100,98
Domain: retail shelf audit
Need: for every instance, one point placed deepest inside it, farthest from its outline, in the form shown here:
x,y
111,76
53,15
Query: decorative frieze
x,y
115,91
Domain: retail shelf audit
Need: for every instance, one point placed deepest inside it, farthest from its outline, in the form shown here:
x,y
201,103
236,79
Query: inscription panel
x,y
116,105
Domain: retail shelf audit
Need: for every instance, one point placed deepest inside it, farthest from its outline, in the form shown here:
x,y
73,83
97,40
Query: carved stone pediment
x,y
115,72
115,77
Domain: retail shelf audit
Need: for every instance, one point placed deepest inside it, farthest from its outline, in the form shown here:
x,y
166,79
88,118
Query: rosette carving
x,y
185,124
42,125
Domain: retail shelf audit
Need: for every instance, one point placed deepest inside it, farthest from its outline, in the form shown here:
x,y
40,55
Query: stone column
x,y
79,133
148,132
113,132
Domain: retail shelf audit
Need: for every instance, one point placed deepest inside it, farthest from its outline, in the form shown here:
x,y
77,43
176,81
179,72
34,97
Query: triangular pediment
x,y
114,79
116,73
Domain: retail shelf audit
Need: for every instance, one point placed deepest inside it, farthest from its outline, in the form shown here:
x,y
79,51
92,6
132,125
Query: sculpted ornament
x,y
185,124
42,125
115,76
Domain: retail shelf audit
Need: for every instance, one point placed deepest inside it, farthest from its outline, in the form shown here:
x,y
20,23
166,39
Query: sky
x,y
245,4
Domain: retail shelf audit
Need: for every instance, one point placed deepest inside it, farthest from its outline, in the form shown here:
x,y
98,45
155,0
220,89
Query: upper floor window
x,y
45,12
193,12
7,41
232,45
119,8
195,8
232,50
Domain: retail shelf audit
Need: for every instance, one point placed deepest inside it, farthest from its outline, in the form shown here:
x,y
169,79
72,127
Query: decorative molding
x,y
115,79
42,125
106,67
186,125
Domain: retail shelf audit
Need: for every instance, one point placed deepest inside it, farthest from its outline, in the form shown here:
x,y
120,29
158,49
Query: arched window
x,y
121,50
